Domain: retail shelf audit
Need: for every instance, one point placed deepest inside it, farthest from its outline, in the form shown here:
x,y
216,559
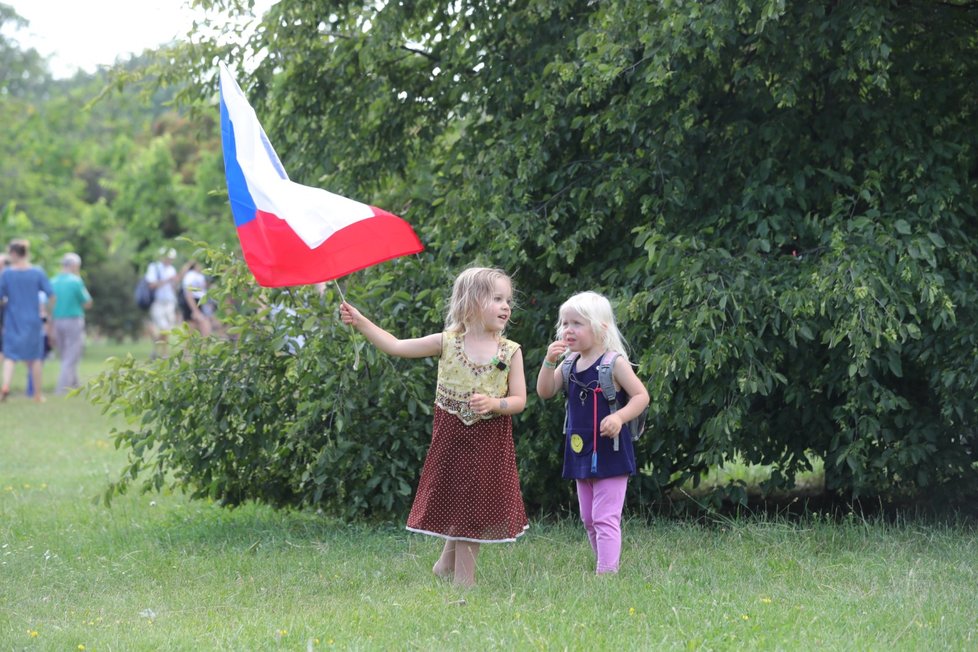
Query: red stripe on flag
x,y
278,257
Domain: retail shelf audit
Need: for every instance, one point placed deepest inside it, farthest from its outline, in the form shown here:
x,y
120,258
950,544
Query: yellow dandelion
x,y
745,617
631,611
766,600
81,647
32,633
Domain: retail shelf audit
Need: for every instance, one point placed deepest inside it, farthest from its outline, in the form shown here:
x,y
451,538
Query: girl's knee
x,y
607,522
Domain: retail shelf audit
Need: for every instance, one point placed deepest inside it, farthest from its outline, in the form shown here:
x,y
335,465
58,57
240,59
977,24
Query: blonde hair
x,y
596,310
471,292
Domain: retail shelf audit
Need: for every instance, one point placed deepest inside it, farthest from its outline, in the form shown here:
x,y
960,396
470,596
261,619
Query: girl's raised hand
x,y
349,315
555,350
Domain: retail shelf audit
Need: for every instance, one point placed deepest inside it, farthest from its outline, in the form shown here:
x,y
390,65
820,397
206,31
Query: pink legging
x,y
601,501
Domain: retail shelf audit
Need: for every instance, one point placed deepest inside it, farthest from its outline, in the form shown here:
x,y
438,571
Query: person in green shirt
x,y
71,299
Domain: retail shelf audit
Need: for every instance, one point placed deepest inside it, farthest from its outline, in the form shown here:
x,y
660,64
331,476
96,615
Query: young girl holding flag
x,y
469,492
598,451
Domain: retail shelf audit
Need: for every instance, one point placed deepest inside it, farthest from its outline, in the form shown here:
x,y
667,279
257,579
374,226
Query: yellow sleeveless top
x,y
459,378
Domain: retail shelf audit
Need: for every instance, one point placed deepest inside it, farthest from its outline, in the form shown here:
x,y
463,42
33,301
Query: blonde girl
x,y
469,492
598,452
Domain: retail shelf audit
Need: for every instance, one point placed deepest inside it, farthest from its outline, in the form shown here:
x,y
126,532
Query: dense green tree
x,y
779,197
22,72
102,165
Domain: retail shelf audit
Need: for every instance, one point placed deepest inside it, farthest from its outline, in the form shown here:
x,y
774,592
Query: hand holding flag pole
x,y
356,351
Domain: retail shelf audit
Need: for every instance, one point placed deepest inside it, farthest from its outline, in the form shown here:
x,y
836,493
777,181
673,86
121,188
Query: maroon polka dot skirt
x,y
469,488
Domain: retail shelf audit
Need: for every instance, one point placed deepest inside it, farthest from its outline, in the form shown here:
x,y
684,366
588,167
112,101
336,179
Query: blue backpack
x,y
143,295
616,398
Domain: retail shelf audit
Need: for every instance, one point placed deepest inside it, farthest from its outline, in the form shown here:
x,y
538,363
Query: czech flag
x,y
293,234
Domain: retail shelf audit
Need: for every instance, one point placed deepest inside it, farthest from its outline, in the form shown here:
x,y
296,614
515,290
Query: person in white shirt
x,y
162,276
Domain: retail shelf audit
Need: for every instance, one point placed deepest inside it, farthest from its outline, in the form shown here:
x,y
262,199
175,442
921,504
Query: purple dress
x,y
23,330
579,436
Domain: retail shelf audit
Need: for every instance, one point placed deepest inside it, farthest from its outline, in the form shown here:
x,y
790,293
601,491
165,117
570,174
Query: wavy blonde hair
x,y
471,292
596,310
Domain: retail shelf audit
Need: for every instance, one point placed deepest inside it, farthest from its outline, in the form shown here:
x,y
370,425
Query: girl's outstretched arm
x,y
418,347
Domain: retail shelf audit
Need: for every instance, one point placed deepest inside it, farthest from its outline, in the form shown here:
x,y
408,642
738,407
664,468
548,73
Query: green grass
x,y
95,354
158,572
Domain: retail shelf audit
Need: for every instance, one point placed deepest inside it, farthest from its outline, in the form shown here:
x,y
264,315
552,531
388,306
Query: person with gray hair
x,y
72,299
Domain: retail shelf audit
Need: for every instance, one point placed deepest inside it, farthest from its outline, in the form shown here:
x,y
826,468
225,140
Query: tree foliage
x,y
22,72
102,165
780,198
289,410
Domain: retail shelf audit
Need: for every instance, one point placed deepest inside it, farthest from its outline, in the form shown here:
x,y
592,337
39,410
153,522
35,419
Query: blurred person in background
x,y
162,276
72,299
3,304
23,331
197,311
46,335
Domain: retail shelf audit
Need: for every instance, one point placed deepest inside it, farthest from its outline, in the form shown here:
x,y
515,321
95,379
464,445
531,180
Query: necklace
x,y
585,390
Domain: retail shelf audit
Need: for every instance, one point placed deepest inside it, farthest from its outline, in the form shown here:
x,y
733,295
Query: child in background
x,y
193,308
469,492
598,451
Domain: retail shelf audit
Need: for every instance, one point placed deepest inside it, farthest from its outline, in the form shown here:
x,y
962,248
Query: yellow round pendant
x,y
577,443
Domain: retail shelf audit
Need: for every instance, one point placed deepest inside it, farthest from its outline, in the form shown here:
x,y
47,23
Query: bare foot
x,y
464,582
443,573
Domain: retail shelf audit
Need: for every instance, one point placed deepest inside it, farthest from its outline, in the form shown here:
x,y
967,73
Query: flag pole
x,y
356,351
340,290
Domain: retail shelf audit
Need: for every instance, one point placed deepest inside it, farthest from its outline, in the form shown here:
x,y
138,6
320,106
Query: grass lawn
x,y
158,572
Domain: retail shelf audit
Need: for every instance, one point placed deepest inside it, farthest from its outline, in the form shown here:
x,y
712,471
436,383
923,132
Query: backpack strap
x,y
606,378
565,369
